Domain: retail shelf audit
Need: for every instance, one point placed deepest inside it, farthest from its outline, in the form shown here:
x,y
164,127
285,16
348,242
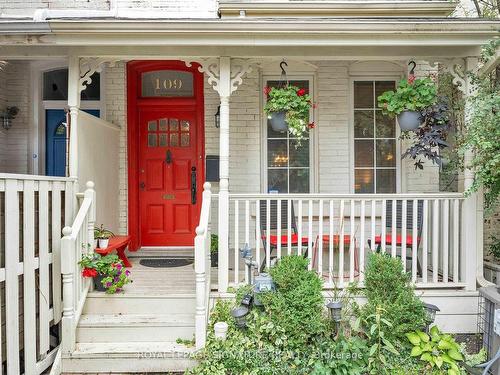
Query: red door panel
x,y
167,165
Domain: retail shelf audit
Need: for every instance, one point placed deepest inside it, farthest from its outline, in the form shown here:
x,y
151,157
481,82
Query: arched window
x,y
55,86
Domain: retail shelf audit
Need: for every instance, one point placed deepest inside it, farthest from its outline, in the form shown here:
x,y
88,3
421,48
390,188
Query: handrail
x,y
202,268
376,197
74,244
15,176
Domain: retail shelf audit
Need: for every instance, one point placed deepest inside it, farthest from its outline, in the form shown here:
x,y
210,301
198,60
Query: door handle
x,y
193,185
142,185
168,158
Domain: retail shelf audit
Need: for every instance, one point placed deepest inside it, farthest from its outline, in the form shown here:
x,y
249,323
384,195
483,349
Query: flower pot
x,y
96,243
214,259
278,123
410,120
103,243
98,283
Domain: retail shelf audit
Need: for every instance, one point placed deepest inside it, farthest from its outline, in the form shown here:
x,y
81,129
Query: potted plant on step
x,y
214,250
108,273
411,97
102,235
288,108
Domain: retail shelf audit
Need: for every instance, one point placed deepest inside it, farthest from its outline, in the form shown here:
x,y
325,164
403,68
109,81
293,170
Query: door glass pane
x,y
151,126
277,155
386,180
385,126
174,124
93,91
299,180
277,180
386,153
174,140
163,140
363,153
163,124
363,181
185,139
185,126
363,124
363,94
151,140
55,86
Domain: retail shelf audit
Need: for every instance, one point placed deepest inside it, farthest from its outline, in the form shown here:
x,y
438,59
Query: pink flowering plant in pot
x,y
293,104
108,272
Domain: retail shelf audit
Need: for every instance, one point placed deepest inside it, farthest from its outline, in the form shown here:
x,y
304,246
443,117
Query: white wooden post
x,y
68,278
470,212
74,107
90,193
224,93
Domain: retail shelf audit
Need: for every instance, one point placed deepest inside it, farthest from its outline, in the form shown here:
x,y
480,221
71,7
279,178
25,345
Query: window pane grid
x,y
287,173
369,146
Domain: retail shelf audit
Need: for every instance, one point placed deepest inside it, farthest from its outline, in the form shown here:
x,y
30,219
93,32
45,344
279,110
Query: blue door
x,y
55,131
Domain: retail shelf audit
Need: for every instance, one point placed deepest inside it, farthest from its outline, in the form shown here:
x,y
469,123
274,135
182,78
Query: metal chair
x,y
399,226
272,237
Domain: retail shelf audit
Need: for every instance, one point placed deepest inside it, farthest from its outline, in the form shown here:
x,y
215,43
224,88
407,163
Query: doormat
x,y
165,262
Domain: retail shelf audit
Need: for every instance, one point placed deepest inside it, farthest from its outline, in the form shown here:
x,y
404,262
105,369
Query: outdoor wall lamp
x,y
217,117
7,116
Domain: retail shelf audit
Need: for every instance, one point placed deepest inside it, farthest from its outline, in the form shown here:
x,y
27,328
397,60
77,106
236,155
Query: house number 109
x,y
168,84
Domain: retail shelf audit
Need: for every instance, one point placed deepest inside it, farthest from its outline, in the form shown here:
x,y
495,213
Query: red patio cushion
x,y
294,240
388,239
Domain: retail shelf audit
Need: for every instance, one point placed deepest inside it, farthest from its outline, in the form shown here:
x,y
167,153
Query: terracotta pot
x,y
278,123
410,120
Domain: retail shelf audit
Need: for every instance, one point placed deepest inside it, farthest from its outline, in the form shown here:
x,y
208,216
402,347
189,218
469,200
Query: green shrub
x,y
387,286
297,305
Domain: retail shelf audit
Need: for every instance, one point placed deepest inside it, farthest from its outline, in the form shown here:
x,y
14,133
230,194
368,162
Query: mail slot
x,y
168,196
212,168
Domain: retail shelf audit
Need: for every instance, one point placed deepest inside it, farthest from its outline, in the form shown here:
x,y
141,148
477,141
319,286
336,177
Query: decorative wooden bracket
x,y
91,65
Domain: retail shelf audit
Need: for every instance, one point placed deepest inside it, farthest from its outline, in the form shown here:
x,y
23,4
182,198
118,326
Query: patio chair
x,y
399,226
272,237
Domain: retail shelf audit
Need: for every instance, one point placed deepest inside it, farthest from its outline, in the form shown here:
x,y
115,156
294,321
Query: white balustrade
x,y
202,268
32,211
336,232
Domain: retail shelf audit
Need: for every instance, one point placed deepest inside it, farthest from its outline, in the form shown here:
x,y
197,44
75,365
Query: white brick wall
x,y
28,7
14,87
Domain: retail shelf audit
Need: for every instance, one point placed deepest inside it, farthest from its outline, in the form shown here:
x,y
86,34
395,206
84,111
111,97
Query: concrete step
x,y
106,304
126,357
176,251
100,328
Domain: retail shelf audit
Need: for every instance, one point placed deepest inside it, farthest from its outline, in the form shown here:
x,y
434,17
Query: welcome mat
x,y
165,262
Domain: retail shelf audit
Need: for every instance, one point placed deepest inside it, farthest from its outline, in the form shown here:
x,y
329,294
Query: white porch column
x,y
224,93
471,217
74,107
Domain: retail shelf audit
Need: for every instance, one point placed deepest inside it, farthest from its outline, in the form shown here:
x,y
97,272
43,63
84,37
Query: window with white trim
x,y
288,165
375,164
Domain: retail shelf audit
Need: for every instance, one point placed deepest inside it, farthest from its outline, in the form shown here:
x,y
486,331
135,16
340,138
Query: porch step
x,y
126,357
105,304
99,328
168,251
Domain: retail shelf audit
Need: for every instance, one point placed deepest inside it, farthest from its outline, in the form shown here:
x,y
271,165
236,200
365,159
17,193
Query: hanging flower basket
x,y
411,97
288,109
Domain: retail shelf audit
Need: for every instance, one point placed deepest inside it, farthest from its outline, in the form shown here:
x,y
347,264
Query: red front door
x,y
166,159
168,177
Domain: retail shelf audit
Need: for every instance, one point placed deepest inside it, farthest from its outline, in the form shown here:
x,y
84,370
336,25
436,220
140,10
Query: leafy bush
x,y
387,286
297,304
436,350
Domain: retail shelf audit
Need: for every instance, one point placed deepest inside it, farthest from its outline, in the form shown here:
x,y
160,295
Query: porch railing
x,y
337,231
77,240
202,268
33,210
